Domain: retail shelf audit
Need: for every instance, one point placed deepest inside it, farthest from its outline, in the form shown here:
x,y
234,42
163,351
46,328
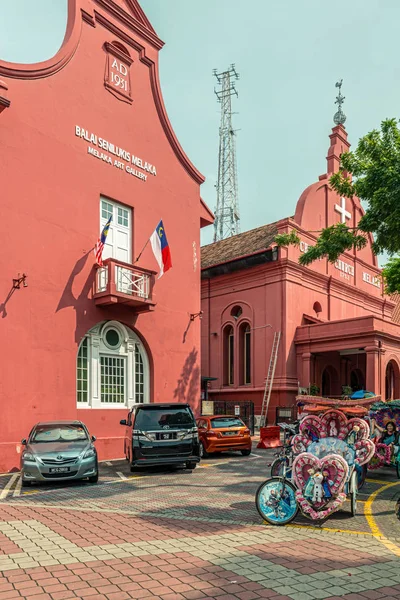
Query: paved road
x,y
177,534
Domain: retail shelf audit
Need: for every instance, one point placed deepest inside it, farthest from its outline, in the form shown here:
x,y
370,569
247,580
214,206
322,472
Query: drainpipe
x,y
329,297
209,327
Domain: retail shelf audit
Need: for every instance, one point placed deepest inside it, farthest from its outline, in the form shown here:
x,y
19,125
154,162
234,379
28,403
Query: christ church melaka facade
x,y
85,137
337,326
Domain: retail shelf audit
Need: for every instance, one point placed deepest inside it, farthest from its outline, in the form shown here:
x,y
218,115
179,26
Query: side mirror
x,y
93,438
122,422
24,442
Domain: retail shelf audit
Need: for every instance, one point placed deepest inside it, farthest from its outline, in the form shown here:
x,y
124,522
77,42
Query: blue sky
x,y
289,54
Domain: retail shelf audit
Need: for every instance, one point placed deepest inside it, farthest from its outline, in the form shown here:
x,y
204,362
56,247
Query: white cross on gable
x,y
344,214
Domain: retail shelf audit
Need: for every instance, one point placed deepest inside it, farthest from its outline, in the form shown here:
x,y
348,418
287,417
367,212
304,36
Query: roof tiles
x,y
238,245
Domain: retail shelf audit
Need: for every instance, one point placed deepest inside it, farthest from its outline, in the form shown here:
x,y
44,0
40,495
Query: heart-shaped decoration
x,y
310,427
317,515
336,467
300,443
382,455
334,424
365,450
363,432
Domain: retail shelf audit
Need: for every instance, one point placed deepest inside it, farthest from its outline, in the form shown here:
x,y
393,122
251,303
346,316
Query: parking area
x,y
175,534
223,485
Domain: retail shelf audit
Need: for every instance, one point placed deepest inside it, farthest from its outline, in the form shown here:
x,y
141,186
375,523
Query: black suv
x,y
161,434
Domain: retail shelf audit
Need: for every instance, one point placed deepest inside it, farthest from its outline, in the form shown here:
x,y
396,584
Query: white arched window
x,y
112,368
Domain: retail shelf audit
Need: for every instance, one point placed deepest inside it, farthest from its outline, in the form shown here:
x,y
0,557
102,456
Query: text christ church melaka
x,y
337,326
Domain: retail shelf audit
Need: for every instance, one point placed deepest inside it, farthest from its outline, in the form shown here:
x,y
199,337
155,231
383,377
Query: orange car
x,y
223,433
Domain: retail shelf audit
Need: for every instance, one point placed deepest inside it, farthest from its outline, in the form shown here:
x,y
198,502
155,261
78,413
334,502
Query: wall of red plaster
x,y
258,291
50,209
281,297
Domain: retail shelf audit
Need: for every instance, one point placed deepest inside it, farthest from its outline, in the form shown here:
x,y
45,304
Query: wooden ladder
x,y
270,378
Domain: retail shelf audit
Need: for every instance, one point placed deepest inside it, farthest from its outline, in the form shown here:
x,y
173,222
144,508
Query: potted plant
x,y
347,391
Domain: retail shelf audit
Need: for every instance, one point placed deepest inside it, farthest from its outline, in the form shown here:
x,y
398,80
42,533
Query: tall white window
x,y
245,354
119,239
82,372
112,368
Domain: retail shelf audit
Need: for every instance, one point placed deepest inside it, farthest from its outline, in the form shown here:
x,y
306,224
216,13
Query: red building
x,y
335,322
85,135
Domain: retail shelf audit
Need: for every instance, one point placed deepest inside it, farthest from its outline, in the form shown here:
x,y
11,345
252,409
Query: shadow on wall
x,y
3,309
68,299
188,387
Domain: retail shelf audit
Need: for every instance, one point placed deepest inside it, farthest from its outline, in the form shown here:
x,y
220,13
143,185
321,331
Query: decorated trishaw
x,y
385,425
328,450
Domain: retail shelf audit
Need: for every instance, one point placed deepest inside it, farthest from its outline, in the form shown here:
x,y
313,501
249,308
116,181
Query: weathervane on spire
x,y
339,117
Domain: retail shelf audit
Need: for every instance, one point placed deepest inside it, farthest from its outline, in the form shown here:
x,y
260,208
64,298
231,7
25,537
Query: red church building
x,y
85,136
335,323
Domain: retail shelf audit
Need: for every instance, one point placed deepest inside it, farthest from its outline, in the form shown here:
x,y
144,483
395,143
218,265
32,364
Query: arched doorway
x,y
392,380
357,381
326,383
330,382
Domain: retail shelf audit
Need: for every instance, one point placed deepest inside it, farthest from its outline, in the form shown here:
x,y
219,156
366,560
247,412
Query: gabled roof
x,y
133,8
396,311
239,245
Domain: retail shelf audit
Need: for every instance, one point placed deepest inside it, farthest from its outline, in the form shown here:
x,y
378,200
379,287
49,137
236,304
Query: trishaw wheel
x,y
361,476
277,467
276,501
353,494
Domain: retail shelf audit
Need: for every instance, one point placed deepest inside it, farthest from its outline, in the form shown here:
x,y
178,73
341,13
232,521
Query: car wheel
x,y
203,452
246,452
25,483
95,478
191,465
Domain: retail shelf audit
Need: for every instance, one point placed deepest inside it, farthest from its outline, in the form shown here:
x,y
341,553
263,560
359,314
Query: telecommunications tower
x,y
227,220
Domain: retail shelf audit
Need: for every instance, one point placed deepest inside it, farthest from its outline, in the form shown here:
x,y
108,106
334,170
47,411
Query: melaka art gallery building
x,y
85,136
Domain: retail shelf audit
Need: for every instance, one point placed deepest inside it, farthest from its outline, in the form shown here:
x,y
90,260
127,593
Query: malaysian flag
x,y
98,249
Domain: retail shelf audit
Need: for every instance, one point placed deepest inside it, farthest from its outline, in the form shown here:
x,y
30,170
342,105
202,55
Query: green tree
x,y
371,172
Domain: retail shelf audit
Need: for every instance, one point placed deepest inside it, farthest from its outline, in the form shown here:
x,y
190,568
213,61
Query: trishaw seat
x,y
331,445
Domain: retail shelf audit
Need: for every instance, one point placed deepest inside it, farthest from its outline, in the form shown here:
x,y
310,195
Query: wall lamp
x,y
20,279
194,316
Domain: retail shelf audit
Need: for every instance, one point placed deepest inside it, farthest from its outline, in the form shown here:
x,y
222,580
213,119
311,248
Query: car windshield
x,y
174,418
58,433
226,422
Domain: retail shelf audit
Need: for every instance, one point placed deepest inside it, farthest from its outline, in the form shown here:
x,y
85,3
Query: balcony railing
x,y
118,282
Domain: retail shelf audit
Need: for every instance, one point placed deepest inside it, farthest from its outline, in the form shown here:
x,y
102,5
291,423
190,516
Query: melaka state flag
x,y
159,243
98,249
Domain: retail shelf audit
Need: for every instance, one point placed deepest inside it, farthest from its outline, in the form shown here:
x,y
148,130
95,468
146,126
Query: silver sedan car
x,y
59,450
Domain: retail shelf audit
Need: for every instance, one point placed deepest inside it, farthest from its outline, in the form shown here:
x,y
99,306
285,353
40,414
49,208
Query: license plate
x,y
165,436
230,433
59,470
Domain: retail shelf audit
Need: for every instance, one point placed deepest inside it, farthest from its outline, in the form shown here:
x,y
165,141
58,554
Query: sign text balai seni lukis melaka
x,y
115,155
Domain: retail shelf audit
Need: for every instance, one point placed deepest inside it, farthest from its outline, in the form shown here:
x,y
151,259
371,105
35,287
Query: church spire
x,y
338,137
339,117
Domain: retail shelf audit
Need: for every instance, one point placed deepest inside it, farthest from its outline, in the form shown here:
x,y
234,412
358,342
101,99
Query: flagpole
x,y
143,249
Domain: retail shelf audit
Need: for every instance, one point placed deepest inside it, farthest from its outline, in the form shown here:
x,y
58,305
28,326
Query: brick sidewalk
x,y
56,553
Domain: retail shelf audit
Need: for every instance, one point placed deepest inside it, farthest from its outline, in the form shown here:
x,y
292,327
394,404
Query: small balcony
x,y
121,283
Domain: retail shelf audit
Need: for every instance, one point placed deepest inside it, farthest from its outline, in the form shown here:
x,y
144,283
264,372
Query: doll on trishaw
x,y
330,451
385,426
